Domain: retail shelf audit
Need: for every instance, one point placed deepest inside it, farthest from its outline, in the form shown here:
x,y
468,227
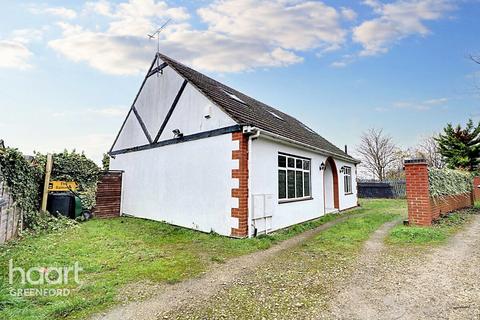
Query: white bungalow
x,y
199,154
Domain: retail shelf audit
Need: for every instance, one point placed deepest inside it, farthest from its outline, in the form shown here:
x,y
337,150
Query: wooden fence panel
x,y
10,215
109,195
381,189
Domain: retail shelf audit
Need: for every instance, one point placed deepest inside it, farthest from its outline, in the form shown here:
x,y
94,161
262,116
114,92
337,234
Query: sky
x,y
69,70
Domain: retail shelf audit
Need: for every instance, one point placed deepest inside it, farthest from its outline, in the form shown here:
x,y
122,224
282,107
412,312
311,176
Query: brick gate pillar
x,y
418,194
476,188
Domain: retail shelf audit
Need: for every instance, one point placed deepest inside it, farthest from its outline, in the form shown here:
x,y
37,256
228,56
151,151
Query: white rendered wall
x,y
156,98
131,135
194,113
347,200
187,184
190,115
264,180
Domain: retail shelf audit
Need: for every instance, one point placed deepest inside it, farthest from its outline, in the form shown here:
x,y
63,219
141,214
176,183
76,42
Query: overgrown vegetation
x,y
445,182
24,179
437,234
74,166
106,162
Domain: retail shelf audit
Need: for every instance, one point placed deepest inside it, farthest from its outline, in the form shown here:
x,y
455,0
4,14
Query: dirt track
x,y
441,284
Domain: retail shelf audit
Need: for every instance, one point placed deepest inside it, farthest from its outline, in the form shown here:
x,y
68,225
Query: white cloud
x,y
339,64
14,55
61,12
396,21
27,35
434,102
109,112
297,25
104,112
344,61
348,13
240,34
421,105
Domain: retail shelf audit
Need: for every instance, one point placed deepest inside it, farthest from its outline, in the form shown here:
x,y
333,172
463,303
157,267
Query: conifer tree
x,y
460,147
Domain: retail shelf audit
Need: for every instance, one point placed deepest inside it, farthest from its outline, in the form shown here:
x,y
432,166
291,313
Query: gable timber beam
x,y
157,69
191,137
142,124
135,100
170,112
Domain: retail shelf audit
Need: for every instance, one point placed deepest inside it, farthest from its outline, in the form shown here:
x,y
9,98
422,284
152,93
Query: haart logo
x,y
41,276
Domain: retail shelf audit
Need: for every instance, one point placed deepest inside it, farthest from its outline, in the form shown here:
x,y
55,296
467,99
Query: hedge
x,y
448,182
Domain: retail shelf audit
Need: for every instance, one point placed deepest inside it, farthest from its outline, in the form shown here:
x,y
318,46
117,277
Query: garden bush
x,y
73,166
25,180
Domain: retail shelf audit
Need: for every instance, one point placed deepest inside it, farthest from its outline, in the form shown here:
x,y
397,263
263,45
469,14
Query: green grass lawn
x,y
438,233
116,252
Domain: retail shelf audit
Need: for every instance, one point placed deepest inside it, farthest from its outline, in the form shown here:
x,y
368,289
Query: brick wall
x,y
422,208
476,189
448,204
109,194
241,193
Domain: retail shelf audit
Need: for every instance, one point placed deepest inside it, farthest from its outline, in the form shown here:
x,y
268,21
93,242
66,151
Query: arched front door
x,y
330,186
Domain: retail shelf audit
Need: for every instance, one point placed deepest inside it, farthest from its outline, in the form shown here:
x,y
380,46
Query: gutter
x,y
276,137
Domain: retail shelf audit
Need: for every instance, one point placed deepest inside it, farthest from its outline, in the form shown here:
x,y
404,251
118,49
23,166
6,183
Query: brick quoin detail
x,y
242,191
422,208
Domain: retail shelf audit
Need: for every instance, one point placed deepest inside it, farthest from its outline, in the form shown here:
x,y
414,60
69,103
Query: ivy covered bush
x,y
74,166
22,178
445,182
25,180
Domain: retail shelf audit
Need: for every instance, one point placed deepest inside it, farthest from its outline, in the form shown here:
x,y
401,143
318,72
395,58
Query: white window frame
x,y
347,180
304,171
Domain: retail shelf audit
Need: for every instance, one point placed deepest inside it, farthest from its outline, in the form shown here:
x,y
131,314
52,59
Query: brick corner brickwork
x,y
241,193
422,208
109,195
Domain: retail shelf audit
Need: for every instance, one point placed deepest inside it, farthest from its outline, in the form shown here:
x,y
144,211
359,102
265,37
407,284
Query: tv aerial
x,y
156,34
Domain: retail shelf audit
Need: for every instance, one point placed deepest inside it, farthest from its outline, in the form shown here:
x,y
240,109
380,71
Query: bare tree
x,y
377,152
428,149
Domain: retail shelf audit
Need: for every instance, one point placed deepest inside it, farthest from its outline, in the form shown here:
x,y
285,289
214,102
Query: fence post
x,y
418,193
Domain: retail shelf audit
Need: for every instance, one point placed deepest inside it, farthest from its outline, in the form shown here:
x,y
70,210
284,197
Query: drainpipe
x,y
253,133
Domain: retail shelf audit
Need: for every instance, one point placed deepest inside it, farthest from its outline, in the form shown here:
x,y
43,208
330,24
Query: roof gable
x,y
248,111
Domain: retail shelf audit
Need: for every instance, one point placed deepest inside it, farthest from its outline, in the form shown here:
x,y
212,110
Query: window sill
x,y
349,193
294,200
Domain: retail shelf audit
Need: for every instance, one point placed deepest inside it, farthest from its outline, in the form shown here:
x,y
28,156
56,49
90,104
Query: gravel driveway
x,y
443,283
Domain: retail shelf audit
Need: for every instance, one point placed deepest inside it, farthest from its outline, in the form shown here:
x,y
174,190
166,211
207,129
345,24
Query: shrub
x,y
73,166
22,178
25,182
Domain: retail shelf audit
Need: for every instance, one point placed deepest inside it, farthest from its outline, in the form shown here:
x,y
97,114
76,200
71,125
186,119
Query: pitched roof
x,y
248,111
